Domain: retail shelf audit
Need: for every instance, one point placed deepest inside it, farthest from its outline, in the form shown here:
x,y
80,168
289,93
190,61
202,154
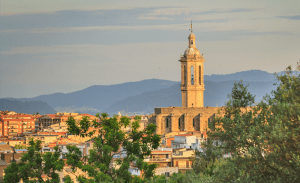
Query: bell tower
x,y
192,81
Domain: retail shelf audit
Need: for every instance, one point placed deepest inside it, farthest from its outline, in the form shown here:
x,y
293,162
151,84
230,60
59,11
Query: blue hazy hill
x,y
143,96
29,107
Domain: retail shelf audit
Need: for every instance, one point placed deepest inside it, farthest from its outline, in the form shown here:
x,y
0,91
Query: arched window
x,y
191,42
167,123
184,74
199,75
179,123
192,75
193,122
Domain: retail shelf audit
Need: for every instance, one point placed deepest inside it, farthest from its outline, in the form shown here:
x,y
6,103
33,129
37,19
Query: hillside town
x,y
17,130
68,139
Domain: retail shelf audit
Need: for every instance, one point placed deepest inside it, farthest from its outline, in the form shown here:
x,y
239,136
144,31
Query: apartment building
x,y
17,125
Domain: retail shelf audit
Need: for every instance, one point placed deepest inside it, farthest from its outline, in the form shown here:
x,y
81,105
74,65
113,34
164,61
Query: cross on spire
x,y
191,25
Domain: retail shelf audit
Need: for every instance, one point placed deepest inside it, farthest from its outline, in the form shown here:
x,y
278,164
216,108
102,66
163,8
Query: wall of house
x,y
163,170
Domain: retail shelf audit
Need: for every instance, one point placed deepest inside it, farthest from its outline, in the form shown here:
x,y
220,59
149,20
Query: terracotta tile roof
x,y
51,115
18,119
7,140
161,151
184,135
3,163
53,133
5,147
62,141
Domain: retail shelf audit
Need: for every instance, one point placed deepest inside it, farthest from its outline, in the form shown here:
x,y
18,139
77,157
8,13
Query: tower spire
x,y
191,25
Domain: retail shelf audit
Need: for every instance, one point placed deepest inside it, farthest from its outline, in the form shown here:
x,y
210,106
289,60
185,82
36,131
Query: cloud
x,y
170,12
70,20
27,13
38,50
296,17
180,11
154,18
93,28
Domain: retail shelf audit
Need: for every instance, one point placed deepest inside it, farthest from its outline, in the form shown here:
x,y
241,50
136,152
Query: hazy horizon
x,y
133,81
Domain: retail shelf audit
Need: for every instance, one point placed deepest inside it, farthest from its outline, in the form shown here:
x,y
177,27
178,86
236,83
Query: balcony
x,y
184,166
158,159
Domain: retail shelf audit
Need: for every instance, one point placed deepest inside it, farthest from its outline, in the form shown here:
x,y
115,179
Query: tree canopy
x,y
112,139
35,166
264,138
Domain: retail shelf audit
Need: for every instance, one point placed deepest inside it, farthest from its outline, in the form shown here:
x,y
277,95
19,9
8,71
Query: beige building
x,y
162,157
46,139
192,116
181,159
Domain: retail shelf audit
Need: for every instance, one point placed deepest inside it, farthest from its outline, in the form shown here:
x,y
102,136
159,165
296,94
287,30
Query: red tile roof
x,y
184,135
53,133
160,151
51,115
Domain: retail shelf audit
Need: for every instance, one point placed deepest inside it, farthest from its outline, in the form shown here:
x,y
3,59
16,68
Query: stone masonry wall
x,y
163,170
191,119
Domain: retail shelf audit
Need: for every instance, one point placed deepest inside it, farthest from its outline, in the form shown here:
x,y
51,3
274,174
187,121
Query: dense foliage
x,y
264,138
112,140
35,166
20,146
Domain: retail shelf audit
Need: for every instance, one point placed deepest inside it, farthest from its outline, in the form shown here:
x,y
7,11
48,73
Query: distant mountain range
x,y
251,75
143,96
29,107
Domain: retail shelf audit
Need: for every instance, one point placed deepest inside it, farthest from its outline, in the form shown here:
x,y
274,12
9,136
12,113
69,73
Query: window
x,y
192,42
167,123
179,122
192,75
116,156
199,75
193,122
184,74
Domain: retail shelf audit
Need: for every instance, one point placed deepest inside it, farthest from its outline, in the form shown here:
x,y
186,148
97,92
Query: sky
x,y
65,46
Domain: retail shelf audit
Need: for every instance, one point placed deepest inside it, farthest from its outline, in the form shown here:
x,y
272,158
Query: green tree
x,y
20,146
34,164
264,138
112,140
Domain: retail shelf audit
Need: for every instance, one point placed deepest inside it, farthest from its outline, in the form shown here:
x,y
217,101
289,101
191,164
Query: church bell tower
x,y
192,81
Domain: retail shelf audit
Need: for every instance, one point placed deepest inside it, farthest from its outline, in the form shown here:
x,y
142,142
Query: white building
x,y
188,141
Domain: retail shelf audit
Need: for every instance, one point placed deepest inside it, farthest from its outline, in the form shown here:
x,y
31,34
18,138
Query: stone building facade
x,y
192,116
